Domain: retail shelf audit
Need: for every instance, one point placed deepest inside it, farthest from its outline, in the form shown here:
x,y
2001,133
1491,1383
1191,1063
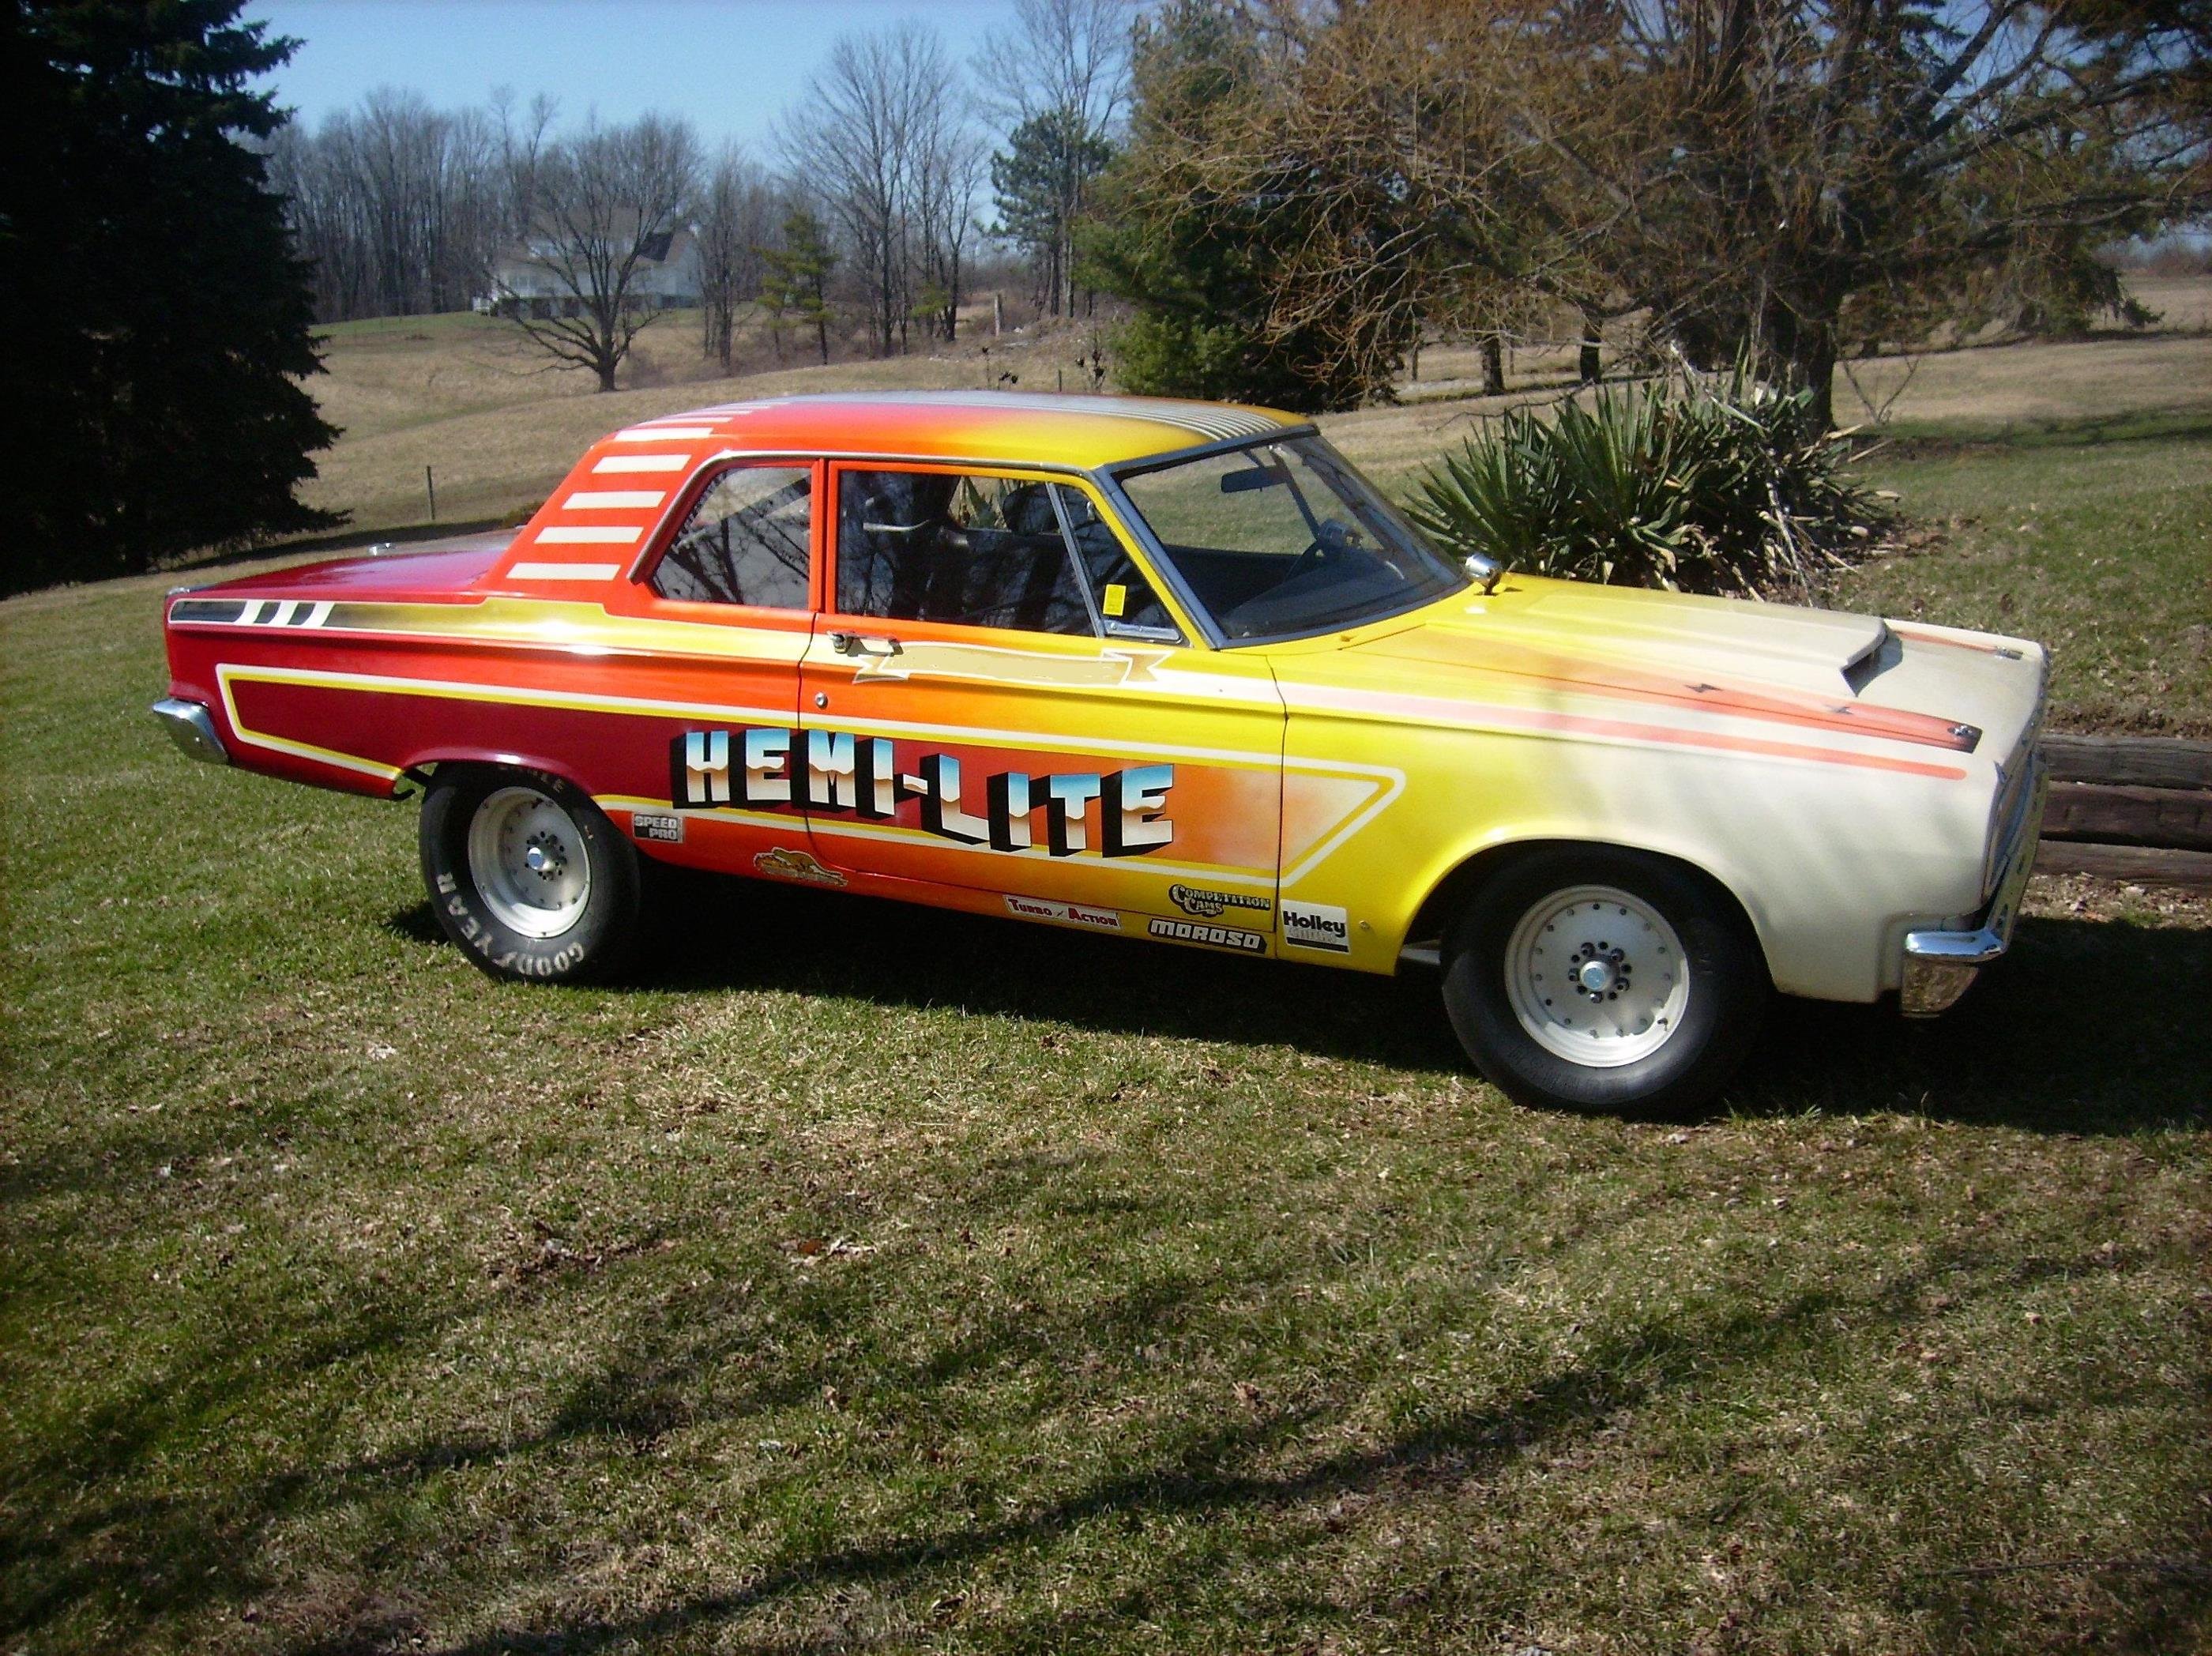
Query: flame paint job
x,y
1840,777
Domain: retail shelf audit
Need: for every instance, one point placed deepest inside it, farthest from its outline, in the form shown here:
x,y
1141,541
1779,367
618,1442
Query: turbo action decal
x,y
835,771
1067,914
1222,937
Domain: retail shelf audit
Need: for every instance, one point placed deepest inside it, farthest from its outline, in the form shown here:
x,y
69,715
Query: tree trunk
x,y
1587,367
1493,365
605,370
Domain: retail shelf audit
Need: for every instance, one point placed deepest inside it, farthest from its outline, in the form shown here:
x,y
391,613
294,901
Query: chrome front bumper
x,y
192,728
1941,964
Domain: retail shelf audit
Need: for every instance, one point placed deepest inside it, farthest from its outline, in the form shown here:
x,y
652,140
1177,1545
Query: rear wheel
x,y
527,876
1586,977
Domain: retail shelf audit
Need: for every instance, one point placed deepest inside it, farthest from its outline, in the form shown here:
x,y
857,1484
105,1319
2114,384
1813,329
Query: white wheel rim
x,y
1597,976
528,863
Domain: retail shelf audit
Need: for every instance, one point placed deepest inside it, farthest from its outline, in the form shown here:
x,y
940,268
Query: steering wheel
x,y
1332,537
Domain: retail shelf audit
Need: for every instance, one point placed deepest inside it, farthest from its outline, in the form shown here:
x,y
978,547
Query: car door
x,y
715,628
997,700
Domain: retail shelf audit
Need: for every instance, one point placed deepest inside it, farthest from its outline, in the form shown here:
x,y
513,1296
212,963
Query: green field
x,y
869,1279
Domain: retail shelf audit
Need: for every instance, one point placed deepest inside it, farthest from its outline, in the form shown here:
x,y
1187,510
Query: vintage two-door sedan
x,y
1167,670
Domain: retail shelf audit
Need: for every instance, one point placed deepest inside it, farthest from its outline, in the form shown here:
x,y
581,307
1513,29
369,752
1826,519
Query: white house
x,y
527,279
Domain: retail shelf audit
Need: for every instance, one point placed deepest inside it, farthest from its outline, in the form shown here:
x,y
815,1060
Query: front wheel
x,y
527,876
1594,979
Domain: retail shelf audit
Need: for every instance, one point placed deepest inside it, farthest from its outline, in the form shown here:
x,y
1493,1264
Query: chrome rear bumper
x,y
1941,964
192,728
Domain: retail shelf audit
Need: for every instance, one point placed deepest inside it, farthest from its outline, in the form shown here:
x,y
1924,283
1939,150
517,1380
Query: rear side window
x,y
745,542
963,548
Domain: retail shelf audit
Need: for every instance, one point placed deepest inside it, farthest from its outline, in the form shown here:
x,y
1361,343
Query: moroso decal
x,y
1067,914
796,865
1206,905
1316,926
835,771
1223,937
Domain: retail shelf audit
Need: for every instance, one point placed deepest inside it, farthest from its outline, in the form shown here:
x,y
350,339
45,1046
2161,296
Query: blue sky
x,y
729,65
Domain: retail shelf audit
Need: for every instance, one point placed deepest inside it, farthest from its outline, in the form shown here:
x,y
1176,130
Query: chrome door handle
x,y
852,643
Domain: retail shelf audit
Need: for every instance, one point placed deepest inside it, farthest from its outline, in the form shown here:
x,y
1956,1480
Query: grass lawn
x,y
873,1279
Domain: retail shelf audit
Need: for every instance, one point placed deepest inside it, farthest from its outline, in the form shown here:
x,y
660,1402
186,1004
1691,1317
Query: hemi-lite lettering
x,y
878,779
831,784
1066,796
940,802
831,771
767,776
1129,823
1009,798
701,768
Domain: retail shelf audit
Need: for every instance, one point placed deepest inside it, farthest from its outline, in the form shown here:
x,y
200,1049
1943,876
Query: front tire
x,y
527,876
1592,978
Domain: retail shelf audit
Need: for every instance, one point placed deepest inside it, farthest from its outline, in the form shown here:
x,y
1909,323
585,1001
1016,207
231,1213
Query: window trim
x,y
1156,553
1018,471
676,514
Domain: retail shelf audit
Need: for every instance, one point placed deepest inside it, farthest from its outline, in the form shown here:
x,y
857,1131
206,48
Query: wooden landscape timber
x,y
2128,807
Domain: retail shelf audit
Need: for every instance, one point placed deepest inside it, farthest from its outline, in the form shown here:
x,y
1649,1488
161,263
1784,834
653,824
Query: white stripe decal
x,y
563,571
595,536
643,463
612,500
661,432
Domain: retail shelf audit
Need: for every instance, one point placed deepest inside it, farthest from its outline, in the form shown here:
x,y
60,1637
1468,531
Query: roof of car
x,y
1070,428
592,528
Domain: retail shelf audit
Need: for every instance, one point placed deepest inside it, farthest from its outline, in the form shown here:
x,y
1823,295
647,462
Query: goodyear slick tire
x,y
592,946
1728,985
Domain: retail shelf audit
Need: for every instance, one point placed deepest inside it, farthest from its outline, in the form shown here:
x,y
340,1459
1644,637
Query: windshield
x,y
1280,540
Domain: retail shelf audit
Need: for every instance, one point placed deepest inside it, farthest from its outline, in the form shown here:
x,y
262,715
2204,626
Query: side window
x,y
957,547
745,542
1128,605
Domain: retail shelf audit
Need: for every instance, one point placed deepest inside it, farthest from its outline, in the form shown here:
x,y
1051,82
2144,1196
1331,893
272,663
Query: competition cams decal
x,y
1067,914
835,771
1206,905
1316,926
1222,937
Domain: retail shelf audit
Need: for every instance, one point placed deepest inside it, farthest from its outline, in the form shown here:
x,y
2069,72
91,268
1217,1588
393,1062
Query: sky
x,y
728,65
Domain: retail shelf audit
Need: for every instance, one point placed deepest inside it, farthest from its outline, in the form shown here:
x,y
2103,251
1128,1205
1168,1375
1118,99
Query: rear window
x,y
745,542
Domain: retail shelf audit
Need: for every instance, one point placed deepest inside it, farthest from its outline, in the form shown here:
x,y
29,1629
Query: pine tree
x,y
797,286
1040,182
162,320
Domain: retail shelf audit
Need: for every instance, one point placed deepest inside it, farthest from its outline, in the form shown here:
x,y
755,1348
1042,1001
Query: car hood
x,y
1669,654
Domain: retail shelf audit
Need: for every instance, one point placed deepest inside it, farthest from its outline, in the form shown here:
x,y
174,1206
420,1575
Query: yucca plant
x,y
1700,484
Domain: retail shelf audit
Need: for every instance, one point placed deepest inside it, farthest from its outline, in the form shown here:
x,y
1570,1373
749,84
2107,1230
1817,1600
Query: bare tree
x,y
1068,56
877,139
400,207
1058,81
605,200
737,219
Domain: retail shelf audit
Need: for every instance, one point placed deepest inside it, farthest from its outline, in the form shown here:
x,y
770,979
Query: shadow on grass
x,y
2178,425
2079,1031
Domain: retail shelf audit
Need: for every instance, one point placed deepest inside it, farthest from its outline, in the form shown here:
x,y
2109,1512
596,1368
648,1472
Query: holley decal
x,y
835,771
1316,926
